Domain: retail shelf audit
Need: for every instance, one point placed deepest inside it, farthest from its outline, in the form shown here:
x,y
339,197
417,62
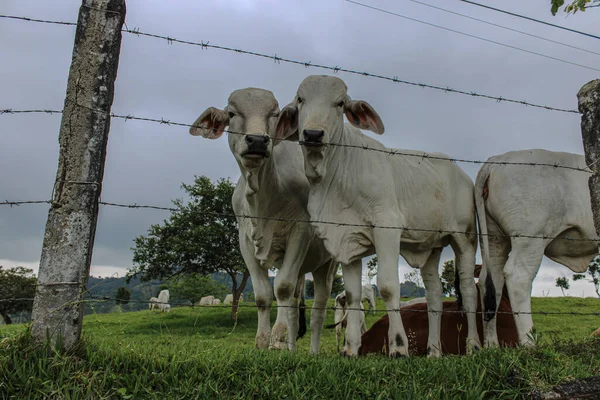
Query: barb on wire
x,y
391,152
335,69
334,223
18,203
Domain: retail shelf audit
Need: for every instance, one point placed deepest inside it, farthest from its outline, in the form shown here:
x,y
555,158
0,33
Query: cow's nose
x,y
256,139
313,136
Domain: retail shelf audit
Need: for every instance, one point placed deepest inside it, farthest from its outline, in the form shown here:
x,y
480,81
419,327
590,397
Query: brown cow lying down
x,y
454,328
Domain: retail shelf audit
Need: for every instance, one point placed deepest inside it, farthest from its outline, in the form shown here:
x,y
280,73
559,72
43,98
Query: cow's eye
x,y
275,115
300,100
231,114
340,104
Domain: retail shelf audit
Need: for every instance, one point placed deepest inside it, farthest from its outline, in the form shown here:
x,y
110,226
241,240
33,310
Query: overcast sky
x,y
147,162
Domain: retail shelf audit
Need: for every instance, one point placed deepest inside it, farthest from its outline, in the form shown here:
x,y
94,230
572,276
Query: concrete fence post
x,y
589,106
70,229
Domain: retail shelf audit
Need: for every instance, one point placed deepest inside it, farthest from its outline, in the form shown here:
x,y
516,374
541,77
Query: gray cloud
x,y
146,162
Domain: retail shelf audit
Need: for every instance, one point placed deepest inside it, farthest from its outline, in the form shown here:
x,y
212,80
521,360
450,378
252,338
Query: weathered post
x,y
589,106
71,225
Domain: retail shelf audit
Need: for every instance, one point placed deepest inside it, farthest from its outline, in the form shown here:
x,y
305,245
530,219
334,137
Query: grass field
x,y
201,353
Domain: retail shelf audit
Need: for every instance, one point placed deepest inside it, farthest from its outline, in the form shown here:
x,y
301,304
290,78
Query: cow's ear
x,y
363,116
210,124
287,123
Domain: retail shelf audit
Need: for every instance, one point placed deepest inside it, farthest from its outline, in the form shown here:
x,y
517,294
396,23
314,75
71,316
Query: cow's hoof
x,y
348,354
397,354
278,346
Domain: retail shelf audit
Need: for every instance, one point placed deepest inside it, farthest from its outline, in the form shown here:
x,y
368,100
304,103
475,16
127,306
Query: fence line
x,y
103,299
309,221
391,152
307,64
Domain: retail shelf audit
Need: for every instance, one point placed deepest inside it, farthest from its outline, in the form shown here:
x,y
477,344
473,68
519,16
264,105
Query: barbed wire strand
x,y
504,27
391,152
316,222
473,36
100,299
277,59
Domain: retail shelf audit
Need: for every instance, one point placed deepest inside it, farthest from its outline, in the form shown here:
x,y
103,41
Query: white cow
x,y
228,300
423,200
368,294
272,185
206,301
340,317
153,303
163,300
216,302
529,201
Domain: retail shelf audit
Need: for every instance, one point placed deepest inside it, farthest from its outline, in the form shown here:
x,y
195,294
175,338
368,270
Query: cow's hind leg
x,y
491,283
464,251
323,280
433,294
520,270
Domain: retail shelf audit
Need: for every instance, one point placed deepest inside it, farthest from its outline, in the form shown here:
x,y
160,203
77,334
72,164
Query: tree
x,y
594,272
413,284
123,296
576,5
194,287
17,285
447,277
372,267
200,237
309,289
563,284
338,285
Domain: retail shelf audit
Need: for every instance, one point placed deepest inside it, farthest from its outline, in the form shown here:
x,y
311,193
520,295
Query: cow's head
x,y
251,115
317,114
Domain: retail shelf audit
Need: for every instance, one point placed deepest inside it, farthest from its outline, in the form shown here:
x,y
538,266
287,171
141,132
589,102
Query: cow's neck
x,y
261,182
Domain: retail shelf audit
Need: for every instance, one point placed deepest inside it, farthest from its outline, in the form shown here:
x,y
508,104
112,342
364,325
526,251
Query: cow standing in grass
x,y
163,300
524,213
369,192
273,192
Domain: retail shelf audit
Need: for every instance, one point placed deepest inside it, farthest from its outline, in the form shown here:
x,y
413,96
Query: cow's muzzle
x,y
258,146
313,138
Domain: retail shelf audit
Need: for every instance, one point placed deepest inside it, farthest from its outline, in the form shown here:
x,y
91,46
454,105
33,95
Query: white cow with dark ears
x,y
351,185
272,184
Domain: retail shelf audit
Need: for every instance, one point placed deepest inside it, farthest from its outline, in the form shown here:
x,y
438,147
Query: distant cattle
x,y
368,294
454,322
206,301
340,317
153,303
216,302
163,300
229,299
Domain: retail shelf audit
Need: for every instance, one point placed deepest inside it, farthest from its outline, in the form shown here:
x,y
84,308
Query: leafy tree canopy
x,y
16,283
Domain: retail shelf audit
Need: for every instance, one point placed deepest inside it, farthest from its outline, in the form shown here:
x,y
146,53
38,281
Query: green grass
x,y
201,353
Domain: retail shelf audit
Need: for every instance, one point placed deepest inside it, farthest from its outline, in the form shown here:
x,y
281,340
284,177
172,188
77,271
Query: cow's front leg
x,y
433,294
387,246
287,278
352,284
263,293
323,280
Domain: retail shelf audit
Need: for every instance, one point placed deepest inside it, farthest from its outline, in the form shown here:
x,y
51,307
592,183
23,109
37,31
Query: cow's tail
x,y
302,309
481,193
339,322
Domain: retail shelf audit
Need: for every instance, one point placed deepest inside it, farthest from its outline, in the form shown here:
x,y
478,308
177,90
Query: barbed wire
x,y
323,222
391,152
277,59
101,299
